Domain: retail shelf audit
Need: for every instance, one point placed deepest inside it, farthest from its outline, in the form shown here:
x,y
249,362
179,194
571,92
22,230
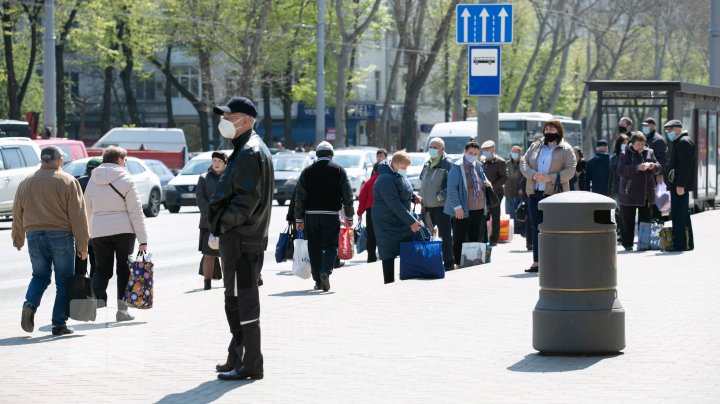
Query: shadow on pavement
x,y
207,392
309,292
284,273
519,251
523,275
27,340
97,326
537,363
203,289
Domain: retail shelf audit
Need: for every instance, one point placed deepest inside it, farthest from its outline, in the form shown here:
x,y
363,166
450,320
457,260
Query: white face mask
x,y
227,128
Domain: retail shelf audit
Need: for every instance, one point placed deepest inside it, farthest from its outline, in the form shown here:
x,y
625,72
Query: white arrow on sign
x,y
503,14
484,15
465,15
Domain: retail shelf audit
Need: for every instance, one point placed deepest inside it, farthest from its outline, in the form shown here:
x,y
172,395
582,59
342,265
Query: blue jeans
x,y
50,249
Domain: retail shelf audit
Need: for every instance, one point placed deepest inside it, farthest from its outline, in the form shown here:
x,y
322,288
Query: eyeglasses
x,y
550,133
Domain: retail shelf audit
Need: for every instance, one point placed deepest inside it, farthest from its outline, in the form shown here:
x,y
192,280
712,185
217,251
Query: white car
x,y
358,164
146,181
19,156
181,190
417,161
288,167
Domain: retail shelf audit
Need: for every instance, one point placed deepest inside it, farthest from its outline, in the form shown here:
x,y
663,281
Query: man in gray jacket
x,y
433,191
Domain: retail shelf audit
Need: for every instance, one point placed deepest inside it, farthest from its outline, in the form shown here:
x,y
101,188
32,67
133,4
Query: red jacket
x,y
366,195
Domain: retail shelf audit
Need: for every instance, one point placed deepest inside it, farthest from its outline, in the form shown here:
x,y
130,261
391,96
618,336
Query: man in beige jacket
x,y
49,209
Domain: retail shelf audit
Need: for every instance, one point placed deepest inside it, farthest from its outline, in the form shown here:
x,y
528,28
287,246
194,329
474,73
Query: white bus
x,y
516,128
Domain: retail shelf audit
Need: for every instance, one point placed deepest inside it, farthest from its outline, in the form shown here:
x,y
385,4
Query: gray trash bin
x,y
578,311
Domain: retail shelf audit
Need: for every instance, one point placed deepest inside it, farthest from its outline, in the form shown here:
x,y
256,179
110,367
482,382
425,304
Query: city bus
x,y
516,128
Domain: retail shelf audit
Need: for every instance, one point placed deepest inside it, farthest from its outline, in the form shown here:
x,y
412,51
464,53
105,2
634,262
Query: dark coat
x,y
243,197
205,189
637,188
613,178
497,173
391,213
597,173
681,170
657,143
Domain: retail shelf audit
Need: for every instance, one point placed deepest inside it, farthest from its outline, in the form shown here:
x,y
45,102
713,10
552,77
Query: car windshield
x,y
288,164
76,168
196,167
347,161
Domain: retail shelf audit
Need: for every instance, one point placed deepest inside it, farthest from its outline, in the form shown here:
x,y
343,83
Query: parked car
x,y
180,191
75,149
165,144
358,163
19,156
417,160
288,167
13,128
146,181
164,173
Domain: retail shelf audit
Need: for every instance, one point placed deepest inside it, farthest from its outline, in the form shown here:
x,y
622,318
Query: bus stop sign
x,y
484,70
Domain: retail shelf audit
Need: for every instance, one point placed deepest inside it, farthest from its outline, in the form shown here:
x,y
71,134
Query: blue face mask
x,y
488,155
646,130
469,158
434,153
671,135
515,156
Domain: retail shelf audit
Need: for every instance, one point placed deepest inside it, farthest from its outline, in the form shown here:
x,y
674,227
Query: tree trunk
x,y
530,63
267,114
168,90
60,72
12,84
460,69
542,76
126,76
286,98
105,124
343,58
250,62
208,99
557,88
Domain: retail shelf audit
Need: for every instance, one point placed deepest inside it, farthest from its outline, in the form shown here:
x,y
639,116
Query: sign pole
x,y
488,107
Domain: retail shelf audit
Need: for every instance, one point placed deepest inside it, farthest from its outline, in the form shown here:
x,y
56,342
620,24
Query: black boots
x,y
251,364
208,286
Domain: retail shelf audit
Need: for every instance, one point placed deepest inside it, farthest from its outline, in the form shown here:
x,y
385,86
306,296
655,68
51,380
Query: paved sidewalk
x,y
466,338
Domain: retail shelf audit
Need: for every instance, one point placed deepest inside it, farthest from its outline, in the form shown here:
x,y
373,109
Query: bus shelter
x,y
697,106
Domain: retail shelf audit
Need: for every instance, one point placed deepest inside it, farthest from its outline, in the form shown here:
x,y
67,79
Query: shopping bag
x,y
139,290
345,243
662,198
521,212
81,302
217,270
290,247
649,236
301,258
472,254
360,238
284,239
506,229
421,259
488,252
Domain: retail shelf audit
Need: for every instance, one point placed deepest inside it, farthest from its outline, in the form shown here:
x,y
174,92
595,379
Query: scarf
x,y
470,169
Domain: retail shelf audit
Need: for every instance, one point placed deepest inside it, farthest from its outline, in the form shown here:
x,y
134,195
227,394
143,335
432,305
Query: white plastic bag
x,y
301,259
662,198
213,242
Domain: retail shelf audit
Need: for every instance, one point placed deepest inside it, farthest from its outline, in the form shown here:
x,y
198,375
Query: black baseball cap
x,y
237,104
601,143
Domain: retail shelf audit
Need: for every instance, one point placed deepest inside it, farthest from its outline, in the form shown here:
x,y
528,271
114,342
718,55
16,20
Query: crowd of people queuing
x,y
101,214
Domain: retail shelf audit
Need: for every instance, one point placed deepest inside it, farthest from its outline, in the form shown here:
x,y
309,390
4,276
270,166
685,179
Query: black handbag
x,y
290,246
81,303
558,185
492,199
217,270
521,212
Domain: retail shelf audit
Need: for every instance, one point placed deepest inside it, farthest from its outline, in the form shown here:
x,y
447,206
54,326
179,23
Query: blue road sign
x,y
484,70
484,23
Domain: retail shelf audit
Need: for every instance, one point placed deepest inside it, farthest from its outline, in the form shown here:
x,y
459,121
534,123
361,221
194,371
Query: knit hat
x,y
220,155
324,146
92,163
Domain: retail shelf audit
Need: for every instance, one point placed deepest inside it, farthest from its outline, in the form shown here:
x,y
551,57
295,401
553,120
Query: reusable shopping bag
x,y
81,302
472,254
139,291
281,246
649,236
421,259
506,229
345,243
360,238
301,257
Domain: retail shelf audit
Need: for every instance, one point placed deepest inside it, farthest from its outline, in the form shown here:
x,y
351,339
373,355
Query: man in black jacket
x,y
597,172
496,172
322,190
682,179
239,212
657,143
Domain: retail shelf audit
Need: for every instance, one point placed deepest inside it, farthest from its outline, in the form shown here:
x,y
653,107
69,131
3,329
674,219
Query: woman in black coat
x,y
637,168
205,190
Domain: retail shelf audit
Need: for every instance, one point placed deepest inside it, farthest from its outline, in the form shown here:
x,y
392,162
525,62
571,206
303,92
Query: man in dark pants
x,y
682,179
657,143
239,212
597,173
322,190
496,172
433,192
83,180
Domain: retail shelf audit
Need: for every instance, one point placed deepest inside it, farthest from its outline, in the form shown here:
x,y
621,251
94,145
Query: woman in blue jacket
x,y
393,220
466,199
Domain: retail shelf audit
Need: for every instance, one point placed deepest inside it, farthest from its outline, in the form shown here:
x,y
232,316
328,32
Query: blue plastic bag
x,y
421,259
282,245
360,238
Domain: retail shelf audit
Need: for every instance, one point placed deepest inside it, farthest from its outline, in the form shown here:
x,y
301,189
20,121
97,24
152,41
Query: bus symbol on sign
x,y
488,60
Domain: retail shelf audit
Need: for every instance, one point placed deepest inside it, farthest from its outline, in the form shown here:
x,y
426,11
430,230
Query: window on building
x,y
189,77
145,88
377,84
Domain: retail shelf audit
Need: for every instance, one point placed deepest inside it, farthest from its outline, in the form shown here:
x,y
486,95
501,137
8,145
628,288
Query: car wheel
x,y
281,202
153,208
173,208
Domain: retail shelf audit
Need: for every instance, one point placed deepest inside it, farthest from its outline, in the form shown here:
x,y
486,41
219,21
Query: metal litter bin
x,y
578,311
